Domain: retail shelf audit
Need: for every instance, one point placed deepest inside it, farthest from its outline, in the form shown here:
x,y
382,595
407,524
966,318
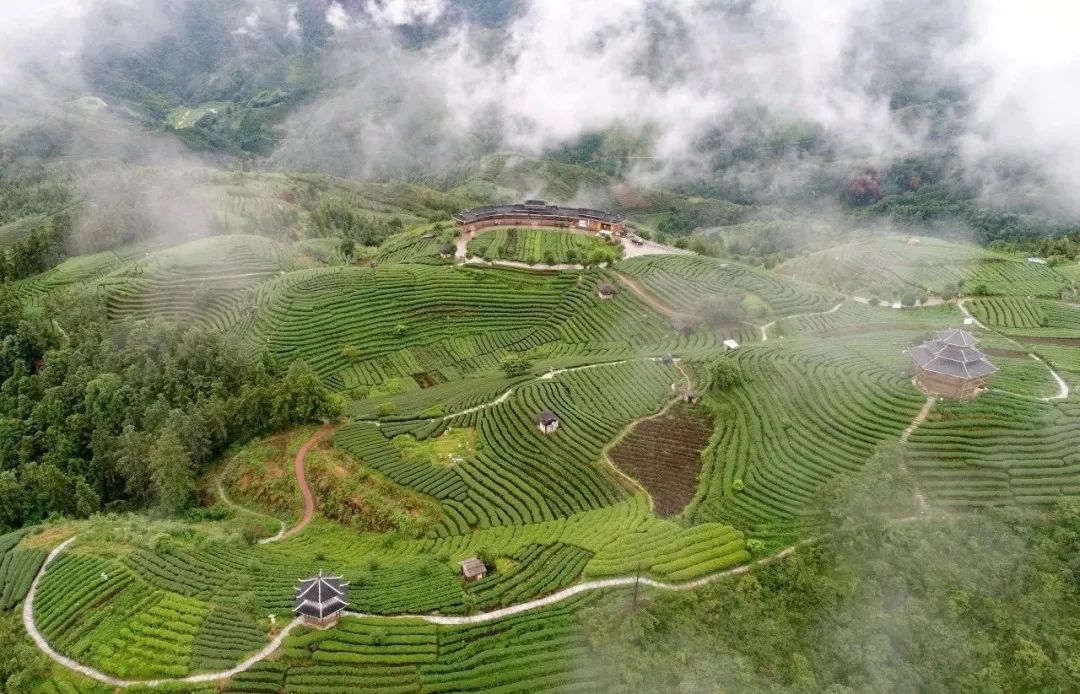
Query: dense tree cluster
x,y
98,415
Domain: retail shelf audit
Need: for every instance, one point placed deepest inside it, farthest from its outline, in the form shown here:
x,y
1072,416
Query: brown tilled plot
x,y
664,455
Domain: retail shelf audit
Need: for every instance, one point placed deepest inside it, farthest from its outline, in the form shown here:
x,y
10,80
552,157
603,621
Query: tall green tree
x,y
171,471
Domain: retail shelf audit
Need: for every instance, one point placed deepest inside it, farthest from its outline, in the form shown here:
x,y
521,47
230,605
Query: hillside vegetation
x,y
433,372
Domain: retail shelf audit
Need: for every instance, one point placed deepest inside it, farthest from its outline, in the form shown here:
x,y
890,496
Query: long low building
x,y
537,213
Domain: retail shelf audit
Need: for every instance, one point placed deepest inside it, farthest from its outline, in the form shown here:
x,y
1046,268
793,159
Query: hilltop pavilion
x,y
951,365
320,600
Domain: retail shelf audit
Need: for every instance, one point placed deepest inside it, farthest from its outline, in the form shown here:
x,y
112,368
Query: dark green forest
x,y
98,415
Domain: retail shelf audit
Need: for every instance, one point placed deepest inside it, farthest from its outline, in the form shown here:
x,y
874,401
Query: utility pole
x,y
637,586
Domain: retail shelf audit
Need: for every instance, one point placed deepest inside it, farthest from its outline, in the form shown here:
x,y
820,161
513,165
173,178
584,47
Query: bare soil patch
x,y
664,455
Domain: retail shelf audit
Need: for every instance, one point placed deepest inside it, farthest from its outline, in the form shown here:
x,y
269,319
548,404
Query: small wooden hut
x,y
548,422
472,569
320,600
606,290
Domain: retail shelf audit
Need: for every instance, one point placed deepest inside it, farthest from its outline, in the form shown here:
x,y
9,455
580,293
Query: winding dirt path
x,y
650,298
229,502
920,497
605,452
301,478
765,328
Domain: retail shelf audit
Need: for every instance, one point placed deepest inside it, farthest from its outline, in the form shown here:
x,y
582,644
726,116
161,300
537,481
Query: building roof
x,y
321,596
952,353
956,337
473,568
606,288
535,208
547,417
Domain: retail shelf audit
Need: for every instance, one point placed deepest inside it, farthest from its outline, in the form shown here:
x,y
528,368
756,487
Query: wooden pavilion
x,y
950,364
320,600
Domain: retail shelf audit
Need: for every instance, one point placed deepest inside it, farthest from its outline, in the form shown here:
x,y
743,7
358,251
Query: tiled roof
x,y
320,596
952,353
473,567
535,208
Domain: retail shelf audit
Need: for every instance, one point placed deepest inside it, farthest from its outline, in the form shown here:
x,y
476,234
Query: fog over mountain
x,y
758,102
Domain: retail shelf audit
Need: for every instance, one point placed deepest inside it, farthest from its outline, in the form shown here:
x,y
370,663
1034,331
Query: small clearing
x,y
446,451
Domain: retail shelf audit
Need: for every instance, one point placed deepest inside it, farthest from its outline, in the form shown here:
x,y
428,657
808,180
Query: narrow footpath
x,y
920,497
275,644
229,502
301,478
605,452
765,328
650,298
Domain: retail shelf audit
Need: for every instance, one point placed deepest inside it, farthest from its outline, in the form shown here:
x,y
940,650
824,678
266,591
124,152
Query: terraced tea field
x,y
543,246
519,475
999,450
686,282
437,431
811,409
431,325
890,267
203,280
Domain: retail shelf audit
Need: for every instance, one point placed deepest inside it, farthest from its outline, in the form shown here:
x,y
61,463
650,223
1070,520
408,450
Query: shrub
x,y
386,409
516,365
737,485
253,530
755,546
350,352
724,373
400,329
485,555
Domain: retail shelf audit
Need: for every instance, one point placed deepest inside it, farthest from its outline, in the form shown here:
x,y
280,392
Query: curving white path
x,y
448,620
967,313
1063,386
39,640
765,328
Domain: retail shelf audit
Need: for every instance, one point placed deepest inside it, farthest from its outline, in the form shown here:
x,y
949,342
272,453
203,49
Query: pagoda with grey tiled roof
x,y
952,365
320,600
